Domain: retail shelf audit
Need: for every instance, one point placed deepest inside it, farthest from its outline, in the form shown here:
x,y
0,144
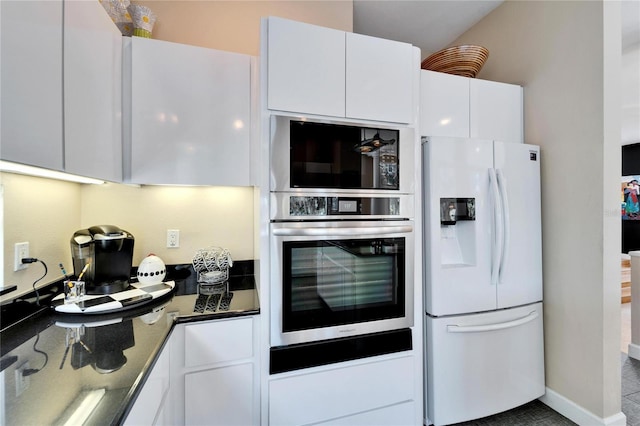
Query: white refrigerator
x,y
483,277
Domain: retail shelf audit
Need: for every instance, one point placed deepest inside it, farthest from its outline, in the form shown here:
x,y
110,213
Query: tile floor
x,y
536,413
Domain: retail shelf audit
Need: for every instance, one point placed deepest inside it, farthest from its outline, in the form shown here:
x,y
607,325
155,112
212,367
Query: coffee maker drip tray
x,y
135,295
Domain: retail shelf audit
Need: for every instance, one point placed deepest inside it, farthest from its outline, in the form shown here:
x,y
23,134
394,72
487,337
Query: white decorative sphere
x,y
152,270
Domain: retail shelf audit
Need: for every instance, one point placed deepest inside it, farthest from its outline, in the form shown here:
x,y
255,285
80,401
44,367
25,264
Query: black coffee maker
x,y
109,252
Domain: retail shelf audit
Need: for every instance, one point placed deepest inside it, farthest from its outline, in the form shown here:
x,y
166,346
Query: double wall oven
x,y
342,237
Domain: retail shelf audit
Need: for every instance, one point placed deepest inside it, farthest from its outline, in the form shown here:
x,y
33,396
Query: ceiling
x,y
433,24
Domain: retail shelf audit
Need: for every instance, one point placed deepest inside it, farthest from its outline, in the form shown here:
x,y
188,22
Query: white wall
x,y
631,95
567,57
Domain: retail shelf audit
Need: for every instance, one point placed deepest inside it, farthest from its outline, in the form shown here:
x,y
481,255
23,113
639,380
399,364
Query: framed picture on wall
x,y
630,192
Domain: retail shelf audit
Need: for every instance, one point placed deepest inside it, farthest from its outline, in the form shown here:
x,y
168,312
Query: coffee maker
x,y
109,252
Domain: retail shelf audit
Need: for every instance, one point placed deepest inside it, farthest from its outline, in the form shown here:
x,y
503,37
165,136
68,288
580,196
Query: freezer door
x,y
458,255
517,168
483,364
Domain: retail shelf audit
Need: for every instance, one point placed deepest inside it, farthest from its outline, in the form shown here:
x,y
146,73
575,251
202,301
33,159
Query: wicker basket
x,y
466,60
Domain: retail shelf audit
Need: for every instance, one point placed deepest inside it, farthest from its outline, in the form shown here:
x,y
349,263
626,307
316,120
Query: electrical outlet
x,y
173,238
21,250
22,381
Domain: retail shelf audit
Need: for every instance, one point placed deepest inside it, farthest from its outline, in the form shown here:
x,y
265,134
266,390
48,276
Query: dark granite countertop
x,y
52,361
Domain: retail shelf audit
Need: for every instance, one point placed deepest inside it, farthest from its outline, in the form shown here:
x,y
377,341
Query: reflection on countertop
x,y
70,361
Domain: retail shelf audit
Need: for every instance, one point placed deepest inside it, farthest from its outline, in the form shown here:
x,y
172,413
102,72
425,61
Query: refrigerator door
x,y
458,254
483,364
517,167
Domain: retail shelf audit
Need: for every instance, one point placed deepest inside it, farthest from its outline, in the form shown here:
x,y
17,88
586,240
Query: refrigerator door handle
x,y
498,239
453,328
502,185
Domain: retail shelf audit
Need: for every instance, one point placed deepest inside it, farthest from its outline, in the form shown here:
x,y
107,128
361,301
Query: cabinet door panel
x,y
379,79
496,111
149,407
306,66
223,396
31,104
190,115
92,92
320,396
219,341
396,415
444,105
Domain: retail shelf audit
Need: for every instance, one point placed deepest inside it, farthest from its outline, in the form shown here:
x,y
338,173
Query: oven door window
x,y
328,283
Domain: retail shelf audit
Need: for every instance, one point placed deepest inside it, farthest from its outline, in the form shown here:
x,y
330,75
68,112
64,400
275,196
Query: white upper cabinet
x,y
72,126
457,106
190,114
31,57
306,66
323,71
444,105
379,78
496,111
92,92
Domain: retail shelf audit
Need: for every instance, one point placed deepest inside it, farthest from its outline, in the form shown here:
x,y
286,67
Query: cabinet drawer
x,y
396,415
341,392
220,397
218,341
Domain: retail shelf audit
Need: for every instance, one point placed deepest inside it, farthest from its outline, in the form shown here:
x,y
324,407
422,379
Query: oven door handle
x,y
343,232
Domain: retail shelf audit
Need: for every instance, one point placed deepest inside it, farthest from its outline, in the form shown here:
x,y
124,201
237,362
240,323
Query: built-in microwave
x,y
329,156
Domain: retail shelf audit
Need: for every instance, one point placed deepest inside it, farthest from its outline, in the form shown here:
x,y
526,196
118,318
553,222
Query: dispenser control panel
x,y
455,209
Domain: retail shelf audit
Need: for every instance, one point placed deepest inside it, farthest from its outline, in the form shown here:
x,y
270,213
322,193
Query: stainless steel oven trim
x,y
313,231
279,158
279,206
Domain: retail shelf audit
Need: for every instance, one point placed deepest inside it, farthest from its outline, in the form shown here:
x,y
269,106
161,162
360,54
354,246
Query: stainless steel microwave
x,y
340,157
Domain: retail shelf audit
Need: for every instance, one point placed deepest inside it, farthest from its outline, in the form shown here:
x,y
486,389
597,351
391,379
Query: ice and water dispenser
x,y
457,231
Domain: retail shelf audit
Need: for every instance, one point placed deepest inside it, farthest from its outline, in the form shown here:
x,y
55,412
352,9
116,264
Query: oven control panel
x,y
301,206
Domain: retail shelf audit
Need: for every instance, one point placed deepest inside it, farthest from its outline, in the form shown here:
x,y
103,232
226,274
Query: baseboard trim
x,y
578,414
634,351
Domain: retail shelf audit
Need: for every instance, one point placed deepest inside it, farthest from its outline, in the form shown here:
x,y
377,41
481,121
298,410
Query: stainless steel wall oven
x,y
342,241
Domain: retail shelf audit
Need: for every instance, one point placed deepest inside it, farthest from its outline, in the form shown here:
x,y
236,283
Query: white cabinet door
x,y
306,65
379,79
149,407
340,392
222,396
214,373
92,92
396,415
444,104
496,111
31,105
190,115
218,341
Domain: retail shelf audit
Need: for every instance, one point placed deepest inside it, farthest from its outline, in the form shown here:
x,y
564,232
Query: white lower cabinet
x,y
398,414
220,396
378,392
151,408
207,374
214,373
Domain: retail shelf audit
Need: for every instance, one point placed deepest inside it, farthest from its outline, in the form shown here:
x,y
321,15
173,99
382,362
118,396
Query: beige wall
x,y
205,216
555,49
44,212
235,25
47,212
